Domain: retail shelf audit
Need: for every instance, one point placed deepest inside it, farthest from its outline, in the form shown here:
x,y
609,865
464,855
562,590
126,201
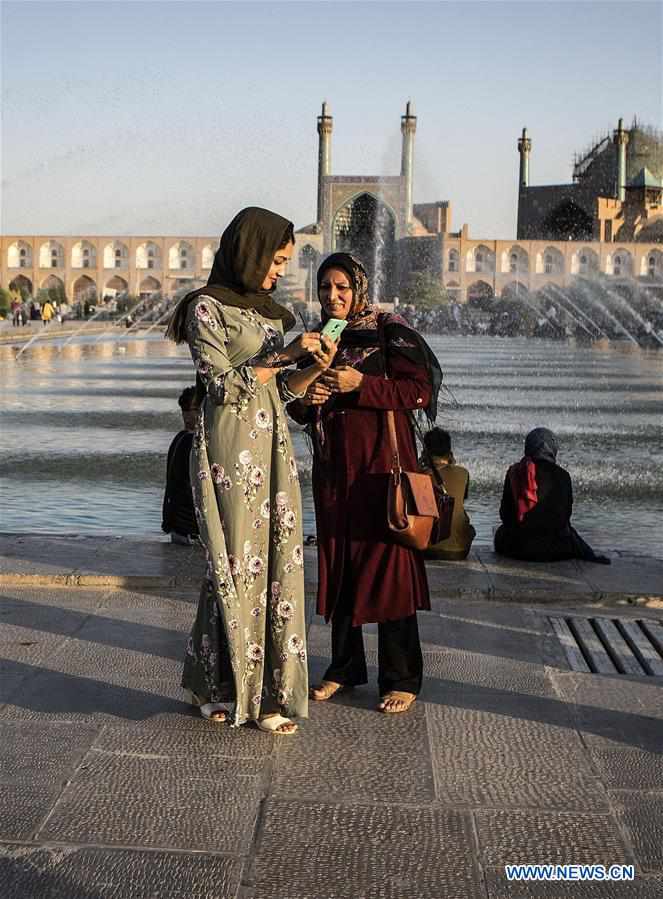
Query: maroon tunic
x,y
350,493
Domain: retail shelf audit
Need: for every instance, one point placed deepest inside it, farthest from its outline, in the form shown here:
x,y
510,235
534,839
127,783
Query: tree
x,y
425,291
5,301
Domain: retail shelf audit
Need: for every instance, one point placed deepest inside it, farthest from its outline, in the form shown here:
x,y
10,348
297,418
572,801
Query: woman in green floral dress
x,y
248,642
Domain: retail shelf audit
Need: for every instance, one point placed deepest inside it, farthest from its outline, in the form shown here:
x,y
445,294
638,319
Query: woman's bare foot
x,y
325,690
396,701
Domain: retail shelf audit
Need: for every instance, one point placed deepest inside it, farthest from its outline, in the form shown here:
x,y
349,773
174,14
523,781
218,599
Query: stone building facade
x,y
86,265
616,193
607,224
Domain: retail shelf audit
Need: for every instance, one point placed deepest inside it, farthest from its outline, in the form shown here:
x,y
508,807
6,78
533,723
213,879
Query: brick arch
x,y
181,256
84,288
20,283
50,282
83,255
117,284
207,256
585,261
148,286
49,252
19,254
115,252
515,260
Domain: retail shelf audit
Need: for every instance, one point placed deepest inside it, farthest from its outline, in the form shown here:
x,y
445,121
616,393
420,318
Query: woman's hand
x,y
317,394
324,356
306,343
344,379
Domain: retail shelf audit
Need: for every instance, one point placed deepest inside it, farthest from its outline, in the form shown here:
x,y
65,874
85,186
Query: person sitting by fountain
x,y
536,508
456,480
179,517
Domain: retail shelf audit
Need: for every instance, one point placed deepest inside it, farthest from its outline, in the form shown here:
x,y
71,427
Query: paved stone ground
x,y
112,788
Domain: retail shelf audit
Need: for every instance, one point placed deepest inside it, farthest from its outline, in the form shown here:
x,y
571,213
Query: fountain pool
x,y
85,429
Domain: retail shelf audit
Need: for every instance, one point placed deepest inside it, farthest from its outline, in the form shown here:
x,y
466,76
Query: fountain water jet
x,y
138,321
83,327
562,296
538,311
621,301
570,314
117,321
582,284
156,323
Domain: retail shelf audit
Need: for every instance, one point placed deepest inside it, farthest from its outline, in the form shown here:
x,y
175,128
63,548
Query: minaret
x,y
325,125
620,139
408,129
524,148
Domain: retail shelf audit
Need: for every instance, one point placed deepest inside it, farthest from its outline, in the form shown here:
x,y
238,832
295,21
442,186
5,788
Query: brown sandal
x,y
396,697
326,690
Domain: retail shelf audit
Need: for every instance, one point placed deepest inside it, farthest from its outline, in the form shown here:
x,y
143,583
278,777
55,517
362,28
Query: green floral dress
x,y
248,641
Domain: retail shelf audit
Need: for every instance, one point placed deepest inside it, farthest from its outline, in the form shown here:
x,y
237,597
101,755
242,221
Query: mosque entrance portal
x,y
366,227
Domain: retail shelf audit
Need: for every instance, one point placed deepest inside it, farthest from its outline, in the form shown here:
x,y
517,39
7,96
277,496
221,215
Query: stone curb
x,y
131,581
7,339
95,580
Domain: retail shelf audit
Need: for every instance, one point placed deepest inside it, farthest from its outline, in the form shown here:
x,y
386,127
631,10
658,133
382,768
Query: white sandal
x,y
210,710
271,723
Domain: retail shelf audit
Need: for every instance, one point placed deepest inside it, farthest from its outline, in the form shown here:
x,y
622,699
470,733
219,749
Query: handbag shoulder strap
x,y
393,441
391,419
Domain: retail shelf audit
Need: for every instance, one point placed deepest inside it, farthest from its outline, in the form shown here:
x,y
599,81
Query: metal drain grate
x,y
612,645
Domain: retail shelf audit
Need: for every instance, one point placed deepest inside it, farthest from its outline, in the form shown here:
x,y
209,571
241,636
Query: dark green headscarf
x,y
247,248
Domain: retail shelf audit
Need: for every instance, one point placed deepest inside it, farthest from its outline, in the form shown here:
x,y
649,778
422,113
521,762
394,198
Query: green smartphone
x,y
334,328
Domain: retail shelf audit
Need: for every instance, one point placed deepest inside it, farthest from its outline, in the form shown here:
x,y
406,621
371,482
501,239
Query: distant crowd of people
x,y
356,382
24,312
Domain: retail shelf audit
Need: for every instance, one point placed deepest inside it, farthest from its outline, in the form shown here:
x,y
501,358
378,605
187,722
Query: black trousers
x,y
400,663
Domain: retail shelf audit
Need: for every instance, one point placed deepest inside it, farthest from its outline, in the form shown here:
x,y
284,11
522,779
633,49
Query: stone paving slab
x,y
509,577
476,669
43,694
619,693
624,767
502,766
520,644
150,800
187,736
355,753
33,872
627,574
469,578
36,762
519,837
642,816
385,852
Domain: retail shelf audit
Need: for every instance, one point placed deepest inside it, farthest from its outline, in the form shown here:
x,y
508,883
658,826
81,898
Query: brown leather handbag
x,y
411,502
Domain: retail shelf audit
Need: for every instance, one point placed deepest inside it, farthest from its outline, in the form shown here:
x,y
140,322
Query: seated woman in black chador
x,y
536,508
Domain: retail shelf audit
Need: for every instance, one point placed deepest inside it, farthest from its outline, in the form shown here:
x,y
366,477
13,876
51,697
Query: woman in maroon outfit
x,y
364,576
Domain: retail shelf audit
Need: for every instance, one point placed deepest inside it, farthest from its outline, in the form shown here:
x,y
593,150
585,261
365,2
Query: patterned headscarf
x,y
369,331
356,275
357,342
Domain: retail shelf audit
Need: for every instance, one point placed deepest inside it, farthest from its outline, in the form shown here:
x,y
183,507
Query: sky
x,y
165,118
